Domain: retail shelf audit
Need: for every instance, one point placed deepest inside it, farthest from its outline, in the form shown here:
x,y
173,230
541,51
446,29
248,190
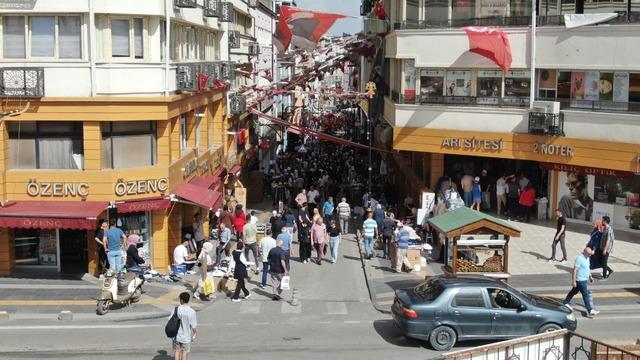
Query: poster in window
x,y
409,79
458,83
490,8
634,87
575,192
489,83
591,85
431,83
577,85
621,87
547,79
517,83
606,86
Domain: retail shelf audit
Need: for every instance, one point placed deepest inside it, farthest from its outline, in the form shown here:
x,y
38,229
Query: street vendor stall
x,y
475,242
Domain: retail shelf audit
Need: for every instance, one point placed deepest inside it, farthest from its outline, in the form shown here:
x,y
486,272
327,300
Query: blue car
x,y
445,309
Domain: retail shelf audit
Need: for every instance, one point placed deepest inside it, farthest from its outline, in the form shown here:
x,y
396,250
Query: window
x,y
411,13
13,36
243,24
429,290
43,30
46,36
163,38
198,120
183,133
409,84
193,43
458,83
128,144
468,298
517,83
45,145
431,83
120,38
503,299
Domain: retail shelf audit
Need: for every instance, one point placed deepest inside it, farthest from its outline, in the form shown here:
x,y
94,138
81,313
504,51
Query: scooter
x,y
119,289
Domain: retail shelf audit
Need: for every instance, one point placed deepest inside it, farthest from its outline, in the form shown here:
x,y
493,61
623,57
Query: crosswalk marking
x,y
250,307
337,308
287,308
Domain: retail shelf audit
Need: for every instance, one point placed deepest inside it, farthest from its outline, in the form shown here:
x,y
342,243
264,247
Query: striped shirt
x,y
370,227
344,210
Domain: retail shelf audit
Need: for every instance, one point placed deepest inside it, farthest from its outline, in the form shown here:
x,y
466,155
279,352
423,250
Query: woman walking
x,y
240,272
239,220
316,215
319,239
334,240
206,265
304,237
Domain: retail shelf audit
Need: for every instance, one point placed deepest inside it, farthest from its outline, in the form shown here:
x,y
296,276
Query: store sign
x,y
57,189
138,187
192,166
472,143
586,170
553,149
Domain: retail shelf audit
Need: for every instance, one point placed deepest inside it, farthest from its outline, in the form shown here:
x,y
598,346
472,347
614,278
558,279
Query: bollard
x,y
294,297
65,315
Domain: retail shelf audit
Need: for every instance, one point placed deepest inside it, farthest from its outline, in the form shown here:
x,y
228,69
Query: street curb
x,y
372,295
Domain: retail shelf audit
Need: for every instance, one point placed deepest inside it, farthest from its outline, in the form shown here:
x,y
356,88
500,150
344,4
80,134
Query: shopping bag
x,y
208,287
284,285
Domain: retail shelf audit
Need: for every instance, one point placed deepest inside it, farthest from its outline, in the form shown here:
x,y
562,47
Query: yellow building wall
x,y
160,228
92,145
163,141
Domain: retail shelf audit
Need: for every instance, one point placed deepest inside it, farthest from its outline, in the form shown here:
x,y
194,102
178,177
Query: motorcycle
x,y
119,289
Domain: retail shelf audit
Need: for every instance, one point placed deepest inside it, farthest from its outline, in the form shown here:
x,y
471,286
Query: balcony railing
x,y
199,76
546,123
506,21
186,3
597,105
22,82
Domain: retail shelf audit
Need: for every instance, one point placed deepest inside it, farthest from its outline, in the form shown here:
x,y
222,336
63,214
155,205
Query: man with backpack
x,y
181,328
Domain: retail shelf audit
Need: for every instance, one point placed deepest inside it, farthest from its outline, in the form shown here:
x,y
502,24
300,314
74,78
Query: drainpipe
x,y
92,47
532,94
167,43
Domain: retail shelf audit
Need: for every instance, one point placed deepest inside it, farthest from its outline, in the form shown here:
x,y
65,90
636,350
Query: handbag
x,y
173,325
208,287
284,285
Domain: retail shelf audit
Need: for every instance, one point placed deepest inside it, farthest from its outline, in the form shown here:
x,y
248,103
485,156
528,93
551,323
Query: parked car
x,y
445,309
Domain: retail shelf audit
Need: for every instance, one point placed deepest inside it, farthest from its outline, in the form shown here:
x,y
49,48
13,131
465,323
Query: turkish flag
x,y
490,43
304,28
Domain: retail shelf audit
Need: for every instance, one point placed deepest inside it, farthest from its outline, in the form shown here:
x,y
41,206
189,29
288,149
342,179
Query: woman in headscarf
x,y
133,258
206,265
595,243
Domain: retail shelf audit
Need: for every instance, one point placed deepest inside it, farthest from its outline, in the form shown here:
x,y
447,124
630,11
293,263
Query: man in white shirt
x,y
312,199
254,218
181,255
501,193
266,244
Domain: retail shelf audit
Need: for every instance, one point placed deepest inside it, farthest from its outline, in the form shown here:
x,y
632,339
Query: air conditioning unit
x,y
254,49
548,107
234,39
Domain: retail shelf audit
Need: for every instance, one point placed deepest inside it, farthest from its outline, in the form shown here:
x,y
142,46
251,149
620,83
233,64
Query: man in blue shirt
x,y
402,244
115,237
285,237
370,229
580,280
327,209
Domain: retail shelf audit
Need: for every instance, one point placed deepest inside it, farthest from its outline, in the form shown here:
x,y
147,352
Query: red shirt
x,y
239,221
528,197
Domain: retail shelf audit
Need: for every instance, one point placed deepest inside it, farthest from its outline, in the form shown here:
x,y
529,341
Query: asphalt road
x,y
334,321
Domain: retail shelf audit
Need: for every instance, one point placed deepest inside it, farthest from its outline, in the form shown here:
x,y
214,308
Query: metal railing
x,y
21,82
560,344
546,123
187,74
596,105
505,21
460,100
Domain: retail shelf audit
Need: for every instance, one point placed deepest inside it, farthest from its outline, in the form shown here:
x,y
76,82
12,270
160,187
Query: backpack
x,y
173,325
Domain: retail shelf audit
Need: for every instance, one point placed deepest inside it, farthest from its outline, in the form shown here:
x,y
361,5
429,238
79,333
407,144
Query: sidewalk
x,y
530,270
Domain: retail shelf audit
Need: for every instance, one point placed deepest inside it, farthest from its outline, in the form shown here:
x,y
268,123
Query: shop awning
x,y
466,221
204,181
138,205
235,170
199,196
51,214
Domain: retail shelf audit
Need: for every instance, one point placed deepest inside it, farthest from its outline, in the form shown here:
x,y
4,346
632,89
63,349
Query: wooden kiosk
x,y
475,243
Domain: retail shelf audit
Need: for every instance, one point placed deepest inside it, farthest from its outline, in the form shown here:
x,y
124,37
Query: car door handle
x,y
496,315
456,313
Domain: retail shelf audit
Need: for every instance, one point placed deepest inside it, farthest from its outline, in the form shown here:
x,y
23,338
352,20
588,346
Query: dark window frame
x,y
110,134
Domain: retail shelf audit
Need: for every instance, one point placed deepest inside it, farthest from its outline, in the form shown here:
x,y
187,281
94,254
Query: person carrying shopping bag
x,y
204,287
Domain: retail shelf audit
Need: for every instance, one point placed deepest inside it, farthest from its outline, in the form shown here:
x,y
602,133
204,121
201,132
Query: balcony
x,y
22,82
200,76
546,123
186,3
517,102
211,8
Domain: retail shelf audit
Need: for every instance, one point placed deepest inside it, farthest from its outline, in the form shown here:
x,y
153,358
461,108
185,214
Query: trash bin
x,y
542,208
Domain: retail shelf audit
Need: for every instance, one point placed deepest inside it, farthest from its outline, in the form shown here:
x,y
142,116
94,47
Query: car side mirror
x,y
522,307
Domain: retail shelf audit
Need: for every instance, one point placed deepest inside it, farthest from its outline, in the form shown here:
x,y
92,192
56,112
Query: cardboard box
x,y
414,256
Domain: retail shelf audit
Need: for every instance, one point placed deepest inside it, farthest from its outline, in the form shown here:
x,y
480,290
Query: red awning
x,y
235,170
200,196
203,181
138,205
51,214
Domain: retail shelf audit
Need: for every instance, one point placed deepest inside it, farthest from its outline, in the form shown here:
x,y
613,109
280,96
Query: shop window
x,y
35,247
620,198
138,223
431,84
489,87
458,83
517,86
128,144
547,83
409,84
468,298
564,85
45,145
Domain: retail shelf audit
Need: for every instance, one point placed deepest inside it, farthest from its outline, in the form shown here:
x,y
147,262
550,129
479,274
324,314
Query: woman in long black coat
x,y
595,243
240,272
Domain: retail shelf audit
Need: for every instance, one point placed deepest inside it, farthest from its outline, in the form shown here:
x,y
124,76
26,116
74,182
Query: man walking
x,y
327,209
390,225
501,194
249,237
285,237
561,228
513,195
370,229
266,244
277,269
402,244
344,212
187,331
114,240
608,238
467,183
581,277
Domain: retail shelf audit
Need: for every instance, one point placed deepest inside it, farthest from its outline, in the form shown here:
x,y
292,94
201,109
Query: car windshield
x,y
429,290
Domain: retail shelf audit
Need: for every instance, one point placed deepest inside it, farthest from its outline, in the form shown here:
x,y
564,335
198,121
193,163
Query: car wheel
x,y
442,338
548,328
